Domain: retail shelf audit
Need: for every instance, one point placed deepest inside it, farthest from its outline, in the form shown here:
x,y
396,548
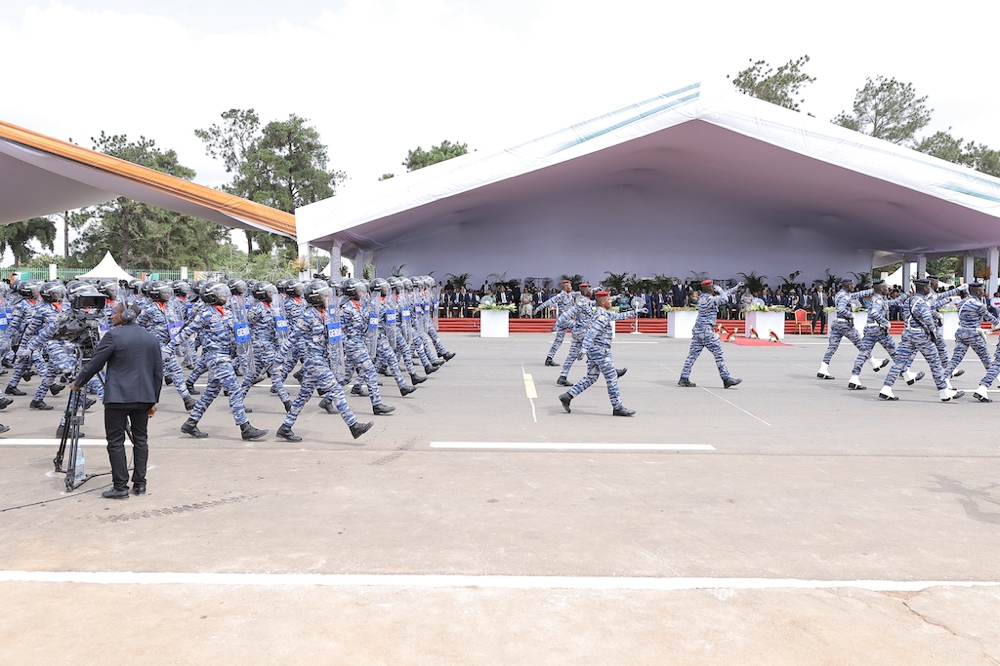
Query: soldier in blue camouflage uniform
x,y
578,319
163,319
38,339
264,317
21,330
562,302
319,332
703,335
597,347
876,332
354,319
919,335
843,325
415,327
431,304
291,351
936,301
971,313
218,345
397,303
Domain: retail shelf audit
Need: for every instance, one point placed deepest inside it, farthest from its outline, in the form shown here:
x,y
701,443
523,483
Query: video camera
x,y
80,326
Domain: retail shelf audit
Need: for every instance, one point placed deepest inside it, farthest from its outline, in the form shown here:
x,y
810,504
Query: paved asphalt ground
x,y
822,526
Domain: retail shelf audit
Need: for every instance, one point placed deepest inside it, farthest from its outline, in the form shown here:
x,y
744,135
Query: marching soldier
x,y
164,321
217,325
562,302
703,335
597,346
876,332
579,318
919,335
354,318
843,326
971,312
318,329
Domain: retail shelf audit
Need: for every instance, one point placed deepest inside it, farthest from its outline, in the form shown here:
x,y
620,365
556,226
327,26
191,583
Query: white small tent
x,y
108,268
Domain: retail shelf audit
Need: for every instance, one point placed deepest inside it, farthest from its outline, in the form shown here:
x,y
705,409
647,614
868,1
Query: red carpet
x,y
754,342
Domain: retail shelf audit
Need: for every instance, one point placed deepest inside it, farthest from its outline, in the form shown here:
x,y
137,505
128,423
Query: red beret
x,y
705,283
584,284
601,294
565,282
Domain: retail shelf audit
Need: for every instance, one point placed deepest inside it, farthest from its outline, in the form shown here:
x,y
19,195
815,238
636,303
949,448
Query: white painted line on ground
x,y
635,342
529,389
570,446
459,581
737,406
55,442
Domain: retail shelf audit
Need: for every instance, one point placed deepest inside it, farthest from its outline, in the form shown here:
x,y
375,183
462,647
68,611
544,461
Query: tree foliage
x,y
419,158
283,164
18,237
887,109
975,156
138,234
778,86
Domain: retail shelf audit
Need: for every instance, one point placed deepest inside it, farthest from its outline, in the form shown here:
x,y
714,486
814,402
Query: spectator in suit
x,y
678,295
818,304
659,300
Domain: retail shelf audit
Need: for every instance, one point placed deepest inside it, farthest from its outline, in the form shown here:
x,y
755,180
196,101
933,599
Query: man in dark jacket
x,y
131,391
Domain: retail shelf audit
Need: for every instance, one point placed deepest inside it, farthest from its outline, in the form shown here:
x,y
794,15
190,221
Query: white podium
x,y
680,323
765,323
494,324
949,324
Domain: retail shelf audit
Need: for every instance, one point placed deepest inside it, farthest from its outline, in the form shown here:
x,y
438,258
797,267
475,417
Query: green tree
x,y
138,234
18,237
283,164
419,158
887,109
780,86
976,156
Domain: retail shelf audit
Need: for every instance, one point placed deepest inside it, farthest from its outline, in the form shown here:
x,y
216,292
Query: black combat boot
x,y
285,433
190,427
249,432
381,410
360,428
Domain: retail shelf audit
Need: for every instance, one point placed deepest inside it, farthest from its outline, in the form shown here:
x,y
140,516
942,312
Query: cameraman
x,y
131,391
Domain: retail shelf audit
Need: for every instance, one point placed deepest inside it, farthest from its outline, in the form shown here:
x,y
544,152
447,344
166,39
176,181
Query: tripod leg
x,y
58,460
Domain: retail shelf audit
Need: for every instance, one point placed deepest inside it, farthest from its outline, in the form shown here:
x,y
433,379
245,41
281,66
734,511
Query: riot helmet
x,y
237,287
318,293
282,286
295,289
135,285
264,291
53,292
380,285
29,289
395,283
407,284
215,293
181,288
354,288
109,288
158,290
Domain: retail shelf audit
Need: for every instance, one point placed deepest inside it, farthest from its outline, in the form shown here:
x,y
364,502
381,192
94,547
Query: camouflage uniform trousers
x,y
282,368
386,357
172,369
965,338
200,366
916,341
356,353
419,347
705,339
597,364
993,371
560,334
873,335
316,373
404,354
436,340
221,375
60,362
839,330
23,364
264,356
575,345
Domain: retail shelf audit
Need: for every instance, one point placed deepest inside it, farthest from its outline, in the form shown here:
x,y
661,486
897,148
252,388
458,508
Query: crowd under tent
x,y
699,180
41,175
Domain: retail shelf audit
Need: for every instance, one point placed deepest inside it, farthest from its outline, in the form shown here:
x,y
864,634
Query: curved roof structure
x,y
700,173
40,175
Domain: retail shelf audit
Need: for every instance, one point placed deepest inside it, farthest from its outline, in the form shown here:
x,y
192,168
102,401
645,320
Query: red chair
x,y
801,319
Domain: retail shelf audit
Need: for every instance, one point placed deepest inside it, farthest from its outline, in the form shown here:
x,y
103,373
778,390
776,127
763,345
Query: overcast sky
x,y
379,77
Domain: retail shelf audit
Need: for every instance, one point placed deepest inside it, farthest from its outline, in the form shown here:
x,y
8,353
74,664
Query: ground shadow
x,y
973,500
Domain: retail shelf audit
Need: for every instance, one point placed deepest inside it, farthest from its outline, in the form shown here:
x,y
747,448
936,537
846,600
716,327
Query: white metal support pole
x,y
994,262
921,265
969,269
906,273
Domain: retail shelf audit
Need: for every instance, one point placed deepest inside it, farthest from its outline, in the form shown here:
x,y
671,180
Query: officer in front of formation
x,y
562,302
843,325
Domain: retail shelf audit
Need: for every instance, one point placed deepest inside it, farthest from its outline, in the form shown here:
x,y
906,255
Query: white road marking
x,y
459,581
736,406
571,446
529,390
55,442
635,342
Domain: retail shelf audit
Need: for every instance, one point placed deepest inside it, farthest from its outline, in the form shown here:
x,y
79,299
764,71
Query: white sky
x,y
379,77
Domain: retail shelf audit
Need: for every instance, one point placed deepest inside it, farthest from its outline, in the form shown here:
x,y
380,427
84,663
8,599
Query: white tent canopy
x,y
108,268
699,179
